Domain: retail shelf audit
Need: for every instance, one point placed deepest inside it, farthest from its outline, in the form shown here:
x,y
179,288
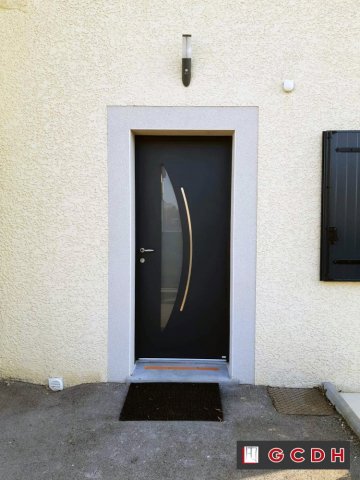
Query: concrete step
x,y
170,370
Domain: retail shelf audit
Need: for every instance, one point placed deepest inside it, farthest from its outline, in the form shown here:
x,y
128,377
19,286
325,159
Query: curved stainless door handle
x,y
146,250
190,250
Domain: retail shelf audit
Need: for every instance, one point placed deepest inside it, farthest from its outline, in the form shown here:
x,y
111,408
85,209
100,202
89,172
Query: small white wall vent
x,y
56,384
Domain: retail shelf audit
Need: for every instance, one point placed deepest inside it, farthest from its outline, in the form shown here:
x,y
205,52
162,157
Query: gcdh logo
x,y
293,455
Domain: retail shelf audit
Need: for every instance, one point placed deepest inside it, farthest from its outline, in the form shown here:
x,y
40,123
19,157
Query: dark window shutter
x,y
340,229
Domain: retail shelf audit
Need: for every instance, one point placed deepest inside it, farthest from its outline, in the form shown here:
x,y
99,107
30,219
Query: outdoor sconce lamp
x,y
186,60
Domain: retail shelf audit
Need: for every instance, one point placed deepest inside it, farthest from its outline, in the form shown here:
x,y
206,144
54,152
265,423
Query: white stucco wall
x,y
65,62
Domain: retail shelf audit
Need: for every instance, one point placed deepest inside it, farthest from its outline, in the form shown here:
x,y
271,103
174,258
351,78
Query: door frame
x,y
124,122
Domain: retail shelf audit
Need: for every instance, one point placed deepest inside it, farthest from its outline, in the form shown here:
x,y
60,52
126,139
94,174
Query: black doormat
x,y
173,401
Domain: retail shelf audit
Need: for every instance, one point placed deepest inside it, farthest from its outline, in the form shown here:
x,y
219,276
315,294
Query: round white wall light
x,y
288,85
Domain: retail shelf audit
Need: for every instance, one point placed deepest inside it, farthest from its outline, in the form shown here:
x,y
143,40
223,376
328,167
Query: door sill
x,y
180,370
182,360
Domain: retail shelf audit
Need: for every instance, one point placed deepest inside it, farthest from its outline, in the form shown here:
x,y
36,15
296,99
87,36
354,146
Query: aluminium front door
x,y
183,186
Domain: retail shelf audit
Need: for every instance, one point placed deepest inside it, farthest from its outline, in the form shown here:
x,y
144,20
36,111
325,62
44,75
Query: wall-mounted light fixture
x,y
186,60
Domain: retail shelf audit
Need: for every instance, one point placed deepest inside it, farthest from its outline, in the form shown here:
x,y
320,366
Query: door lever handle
x,y
146,250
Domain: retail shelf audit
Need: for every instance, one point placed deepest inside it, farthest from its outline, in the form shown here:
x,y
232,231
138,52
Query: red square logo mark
x,y
250,454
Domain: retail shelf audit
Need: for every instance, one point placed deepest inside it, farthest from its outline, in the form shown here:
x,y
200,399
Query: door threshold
x,y
180,370
182,360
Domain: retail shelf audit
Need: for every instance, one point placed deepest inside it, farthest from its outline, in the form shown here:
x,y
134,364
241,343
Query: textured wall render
x,y
65,61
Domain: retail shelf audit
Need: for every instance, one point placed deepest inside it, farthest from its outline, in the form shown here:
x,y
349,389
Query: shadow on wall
x,y
13,5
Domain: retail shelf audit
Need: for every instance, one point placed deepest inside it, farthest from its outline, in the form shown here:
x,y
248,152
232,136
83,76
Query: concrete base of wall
x,y
343,407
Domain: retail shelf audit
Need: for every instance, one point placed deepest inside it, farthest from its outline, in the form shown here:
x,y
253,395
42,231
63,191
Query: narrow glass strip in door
x,y
171,248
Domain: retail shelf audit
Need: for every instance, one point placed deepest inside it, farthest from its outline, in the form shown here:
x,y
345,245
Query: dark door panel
x,y
183,189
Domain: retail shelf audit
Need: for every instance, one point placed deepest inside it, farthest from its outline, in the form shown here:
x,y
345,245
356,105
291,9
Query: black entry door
x,y
182,246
